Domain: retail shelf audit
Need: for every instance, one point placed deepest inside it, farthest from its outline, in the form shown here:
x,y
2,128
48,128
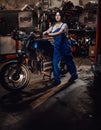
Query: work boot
x,y
72,79
55,83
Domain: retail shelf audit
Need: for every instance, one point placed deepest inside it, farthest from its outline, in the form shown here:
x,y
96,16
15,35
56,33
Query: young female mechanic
x,y
62,48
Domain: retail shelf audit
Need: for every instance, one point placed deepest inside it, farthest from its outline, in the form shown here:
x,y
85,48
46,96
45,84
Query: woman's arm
x,y
56,33
47,31
64,29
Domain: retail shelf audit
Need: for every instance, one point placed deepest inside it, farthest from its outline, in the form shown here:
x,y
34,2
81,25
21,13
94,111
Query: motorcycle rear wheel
x,y
10,81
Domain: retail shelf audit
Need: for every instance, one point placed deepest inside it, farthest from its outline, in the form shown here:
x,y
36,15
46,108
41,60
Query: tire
x,y
11,82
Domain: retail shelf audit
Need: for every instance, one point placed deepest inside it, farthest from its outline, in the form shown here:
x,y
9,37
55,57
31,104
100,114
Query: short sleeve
x,y
65,27
50,29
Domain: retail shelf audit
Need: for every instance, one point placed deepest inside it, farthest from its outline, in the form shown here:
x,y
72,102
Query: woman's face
x,y
58,17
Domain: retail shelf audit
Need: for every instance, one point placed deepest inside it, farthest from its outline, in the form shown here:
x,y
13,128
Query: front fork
x,y
21,59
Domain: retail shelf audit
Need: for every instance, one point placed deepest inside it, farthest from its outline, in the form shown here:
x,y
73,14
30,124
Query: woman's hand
x,y
45,33
51,34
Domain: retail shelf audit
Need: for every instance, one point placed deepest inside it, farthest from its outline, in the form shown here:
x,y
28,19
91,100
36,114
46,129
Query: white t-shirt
x,y
62,25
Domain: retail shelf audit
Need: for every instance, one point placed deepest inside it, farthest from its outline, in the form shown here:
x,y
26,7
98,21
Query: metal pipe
x,y
98,28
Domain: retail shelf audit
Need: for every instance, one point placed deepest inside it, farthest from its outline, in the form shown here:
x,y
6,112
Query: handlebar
x,y
22,36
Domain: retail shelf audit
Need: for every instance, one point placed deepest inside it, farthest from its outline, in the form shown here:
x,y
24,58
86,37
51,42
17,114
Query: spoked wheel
x,y
12,81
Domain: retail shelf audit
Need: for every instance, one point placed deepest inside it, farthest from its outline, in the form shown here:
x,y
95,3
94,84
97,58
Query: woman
x,y
62,48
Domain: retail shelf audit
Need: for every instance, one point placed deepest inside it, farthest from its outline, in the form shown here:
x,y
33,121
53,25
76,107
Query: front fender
x,y
7,62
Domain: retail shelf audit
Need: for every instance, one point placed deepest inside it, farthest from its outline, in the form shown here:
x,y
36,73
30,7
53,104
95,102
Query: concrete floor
x,y
65,107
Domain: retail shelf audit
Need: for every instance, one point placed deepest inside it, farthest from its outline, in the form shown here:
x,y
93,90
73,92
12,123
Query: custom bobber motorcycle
x,y
15,73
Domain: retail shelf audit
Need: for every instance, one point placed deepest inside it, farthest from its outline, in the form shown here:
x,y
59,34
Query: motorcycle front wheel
x,y
12,81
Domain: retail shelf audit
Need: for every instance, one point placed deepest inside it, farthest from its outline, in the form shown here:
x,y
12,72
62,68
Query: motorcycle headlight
x,y
18,35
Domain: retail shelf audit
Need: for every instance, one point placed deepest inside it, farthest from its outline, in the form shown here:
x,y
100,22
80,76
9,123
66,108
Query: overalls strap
x,y
61,25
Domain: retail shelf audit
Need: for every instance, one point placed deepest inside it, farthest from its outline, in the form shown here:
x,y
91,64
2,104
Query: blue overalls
x,y
62,48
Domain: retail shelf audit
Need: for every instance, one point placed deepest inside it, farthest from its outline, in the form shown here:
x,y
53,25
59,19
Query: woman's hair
x,y
61,14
